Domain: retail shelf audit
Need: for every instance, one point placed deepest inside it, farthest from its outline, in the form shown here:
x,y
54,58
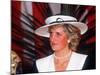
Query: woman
x,y
64,35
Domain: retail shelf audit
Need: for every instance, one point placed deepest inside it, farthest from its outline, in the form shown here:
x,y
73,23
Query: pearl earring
x,y
68,41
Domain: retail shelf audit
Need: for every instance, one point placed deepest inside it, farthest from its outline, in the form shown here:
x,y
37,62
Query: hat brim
x,y
43,31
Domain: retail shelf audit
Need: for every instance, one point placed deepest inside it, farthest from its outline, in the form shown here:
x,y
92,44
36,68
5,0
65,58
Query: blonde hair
x,y
72,32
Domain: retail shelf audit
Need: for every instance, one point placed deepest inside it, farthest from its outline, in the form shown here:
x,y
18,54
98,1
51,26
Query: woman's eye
x,y
50,32
58,34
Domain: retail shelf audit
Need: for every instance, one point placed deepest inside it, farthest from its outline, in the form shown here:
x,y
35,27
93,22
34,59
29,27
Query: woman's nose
x,y
52,38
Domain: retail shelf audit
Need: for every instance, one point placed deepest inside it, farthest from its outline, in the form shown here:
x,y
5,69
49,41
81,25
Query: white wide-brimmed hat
x,y
60,19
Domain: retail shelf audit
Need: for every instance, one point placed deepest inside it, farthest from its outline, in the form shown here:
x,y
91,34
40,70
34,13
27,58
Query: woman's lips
x,y
53,43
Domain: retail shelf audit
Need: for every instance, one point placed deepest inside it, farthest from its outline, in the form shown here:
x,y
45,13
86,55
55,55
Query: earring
x,y
68,41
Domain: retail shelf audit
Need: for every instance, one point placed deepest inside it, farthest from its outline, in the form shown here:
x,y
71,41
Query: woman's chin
x,y
55,49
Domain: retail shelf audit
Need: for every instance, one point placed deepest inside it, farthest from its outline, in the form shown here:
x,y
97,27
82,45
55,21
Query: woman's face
x,y
58,38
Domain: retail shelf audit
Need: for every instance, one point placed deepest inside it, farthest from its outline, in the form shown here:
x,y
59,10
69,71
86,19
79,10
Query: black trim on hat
x,y
58,20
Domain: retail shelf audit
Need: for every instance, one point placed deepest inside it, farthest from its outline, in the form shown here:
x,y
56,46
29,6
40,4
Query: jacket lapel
x,y
76,61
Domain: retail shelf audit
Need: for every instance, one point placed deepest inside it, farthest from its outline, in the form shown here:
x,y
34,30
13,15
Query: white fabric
x,y
59,18
47,64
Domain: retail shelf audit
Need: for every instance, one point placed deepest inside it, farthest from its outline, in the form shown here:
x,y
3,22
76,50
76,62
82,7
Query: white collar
x,y
76,61
47,64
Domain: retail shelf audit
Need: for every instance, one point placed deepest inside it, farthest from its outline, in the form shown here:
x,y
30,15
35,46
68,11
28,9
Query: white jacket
x,y
46,64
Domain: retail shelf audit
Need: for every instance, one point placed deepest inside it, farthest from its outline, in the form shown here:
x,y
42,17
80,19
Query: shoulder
x,y
43,64
90,62
79,55
42,60
77,61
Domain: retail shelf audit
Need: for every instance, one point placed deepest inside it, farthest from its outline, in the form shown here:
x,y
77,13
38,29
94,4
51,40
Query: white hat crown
x,y
60,18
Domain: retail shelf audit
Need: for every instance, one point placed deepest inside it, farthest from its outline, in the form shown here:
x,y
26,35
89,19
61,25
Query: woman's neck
x,y
62,53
